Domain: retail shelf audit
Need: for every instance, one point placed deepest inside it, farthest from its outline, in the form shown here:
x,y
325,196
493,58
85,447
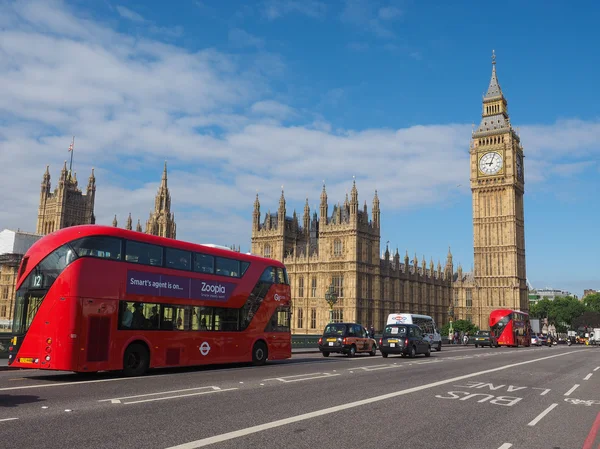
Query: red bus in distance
x,y
511,327
97,298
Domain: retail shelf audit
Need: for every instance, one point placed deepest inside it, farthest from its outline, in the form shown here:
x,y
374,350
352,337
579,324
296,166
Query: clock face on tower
x,y
490,163
519,167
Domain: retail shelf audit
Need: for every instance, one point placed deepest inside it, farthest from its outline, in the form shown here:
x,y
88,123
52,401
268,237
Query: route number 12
x,y
37,280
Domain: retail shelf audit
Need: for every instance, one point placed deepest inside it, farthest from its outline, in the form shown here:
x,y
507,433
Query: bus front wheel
x,y
136,360
259,353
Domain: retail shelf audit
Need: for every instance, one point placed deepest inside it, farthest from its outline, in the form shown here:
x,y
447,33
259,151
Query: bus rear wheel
x,y
136,360
259,353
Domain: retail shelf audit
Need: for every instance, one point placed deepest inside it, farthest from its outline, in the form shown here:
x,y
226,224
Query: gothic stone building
x,y
161,222
343,250
66,205
498,185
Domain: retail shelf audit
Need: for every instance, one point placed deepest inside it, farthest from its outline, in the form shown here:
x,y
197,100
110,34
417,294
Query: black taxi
x,y
346,338
405,339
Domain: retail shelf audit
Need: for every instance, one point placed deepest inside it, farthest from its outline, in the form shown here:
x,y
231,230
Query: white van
x,y
425,322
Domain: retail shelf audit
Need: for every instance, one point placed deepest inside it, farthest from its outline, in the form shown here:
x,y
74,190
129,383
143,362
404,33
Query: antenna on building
x,y
71,147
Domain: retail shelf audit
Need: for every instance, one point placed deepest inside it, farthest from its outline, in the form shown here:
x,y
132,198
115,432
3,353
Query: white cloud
x,y
389,13
241,38
127,13
132,103
275,9
273,108
363,14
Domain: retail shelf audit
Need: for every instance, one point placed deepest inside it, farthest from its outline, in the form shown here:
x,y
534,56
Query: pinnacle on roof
x,y
494,89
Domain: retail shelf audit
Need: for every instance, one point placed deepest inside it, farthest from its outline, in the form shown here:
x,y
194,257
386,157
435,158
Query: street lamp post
x,y
451,316
331,298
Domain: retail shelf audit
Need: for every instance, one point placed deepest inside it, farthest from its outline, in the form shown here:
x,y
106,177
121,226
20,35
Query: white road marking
x,y
375,367
7,419
301,377
282,422
505,446
211,389
597,368
573,388
587,377
539,417
546,390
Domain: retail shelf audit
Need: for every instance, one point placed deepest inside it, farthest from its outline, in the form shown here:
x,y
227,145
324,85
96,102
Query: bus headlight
x,y
47,358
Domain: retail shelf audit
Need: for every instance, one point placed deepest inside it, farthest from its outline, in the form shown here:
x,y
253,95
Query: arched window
x,y
267,250
337,247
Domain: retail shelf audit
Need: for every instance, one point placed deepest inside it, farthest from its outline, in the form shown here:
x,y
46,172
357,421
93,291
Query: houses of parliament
x,y
339,246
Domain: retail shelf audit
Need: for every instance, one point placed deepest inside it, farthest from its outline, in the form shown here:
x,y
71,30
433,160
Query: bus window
x,y
204,263
280,320
226,319
98,246
178,259
245,266
202,318
280,276
227,267
268,275
143,253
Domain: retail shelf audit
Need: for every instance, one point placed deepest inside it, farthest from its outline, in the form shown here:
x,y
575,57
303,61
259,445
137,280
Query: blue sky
x,y
247,96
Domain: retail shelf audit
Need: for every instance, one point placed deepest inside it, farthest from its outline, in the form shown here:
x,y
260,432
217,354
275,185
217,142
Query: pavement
x,y
462,397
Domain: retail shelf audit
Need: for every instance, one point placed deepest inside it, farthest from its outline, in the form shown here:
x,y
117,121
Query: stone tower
x,y
162,222
67,205
497,183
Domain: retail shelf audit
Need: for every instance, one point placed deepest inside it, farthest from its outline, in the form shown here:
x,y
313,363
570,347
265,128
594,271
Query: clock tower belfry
x,y
498,185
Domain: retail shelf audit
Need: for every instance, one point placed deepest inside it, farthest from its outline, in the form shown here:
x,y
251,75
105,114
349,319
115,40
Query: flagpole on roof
x,y
71,151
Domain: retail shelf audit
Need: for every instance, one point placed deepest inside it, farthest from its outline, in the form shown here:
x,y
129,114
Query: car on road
x,y
404,339
485,338
535,341
346,338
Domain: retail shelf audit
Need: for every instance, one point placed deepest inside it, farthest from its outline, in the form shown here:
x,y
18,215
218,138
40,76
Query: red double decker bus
x,y
95,298
511,327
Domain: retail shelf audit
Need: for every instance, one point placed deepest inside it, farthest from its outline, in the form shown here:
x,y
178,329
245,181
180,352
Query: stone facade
x,y
498,185
13,245
66,205
161,221
343,250
9,265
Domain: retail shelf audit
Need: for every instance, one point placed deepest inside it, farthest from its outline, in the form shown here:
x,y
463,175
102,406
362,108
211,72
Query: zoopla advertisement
x,y
141,283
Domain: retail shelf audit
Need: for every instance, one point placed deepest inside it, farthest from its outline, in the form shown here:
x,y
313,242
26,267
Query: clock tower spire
x,y
498,186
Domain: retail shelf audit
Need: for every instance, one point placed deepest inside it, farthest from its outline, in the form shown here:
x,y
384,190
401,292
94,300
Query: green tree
x,y
564,310
592,302
541,309
459,325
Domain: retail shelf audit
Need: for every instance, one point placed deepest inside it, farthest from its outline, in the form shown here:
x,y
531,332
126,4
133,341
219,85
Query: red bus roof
x,y
504,312
50,242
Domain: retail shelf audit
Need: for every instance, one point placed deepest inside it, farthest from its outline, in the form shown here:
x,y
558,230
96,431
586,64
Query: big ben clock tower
x,y
497,183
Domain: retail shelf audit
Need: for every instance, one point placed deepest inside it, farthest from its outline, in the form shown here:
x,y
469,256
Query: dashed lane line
x,y
539,417
587,377
572,389
7,419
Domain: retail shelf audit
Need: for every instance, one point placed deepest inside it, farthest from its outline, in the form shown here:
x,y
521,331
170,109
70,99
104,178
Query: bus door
x,y
98,318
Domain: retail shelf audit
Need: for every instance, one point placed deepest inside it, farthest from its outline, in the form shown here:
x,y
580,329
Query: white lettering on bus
x,y
214,288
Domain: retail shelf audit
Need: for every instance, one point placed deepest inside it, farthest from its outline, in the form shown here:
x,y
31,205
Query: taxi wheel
x,y
384,355
352,351
325,354
476,345
428,353
413,352
373,350
439,347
